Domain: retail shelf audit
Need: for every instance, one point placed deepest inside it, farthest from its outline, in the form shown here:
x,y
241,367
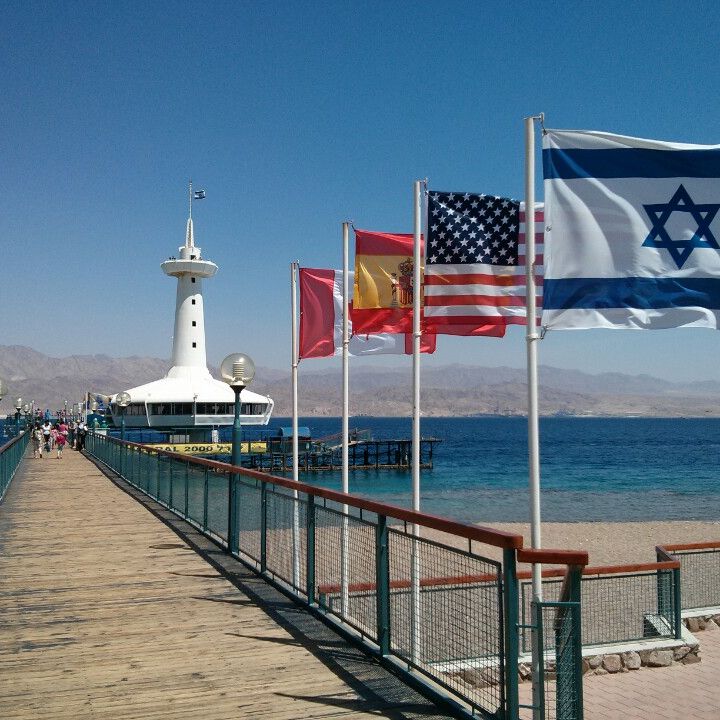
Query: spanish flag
x,y
383,291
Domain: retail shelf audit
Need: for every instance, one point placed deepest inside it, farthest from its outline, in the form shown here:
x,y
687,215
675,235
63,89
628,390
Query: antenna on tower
x,y
191,197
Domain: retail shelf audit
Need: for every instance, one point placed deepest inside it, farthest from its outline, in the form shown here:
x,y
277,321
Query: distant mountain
x,y
462,390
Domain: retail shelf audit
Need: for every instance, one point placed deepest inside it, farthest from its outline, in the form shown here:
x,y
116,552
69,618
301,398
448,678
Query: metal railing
x,y
10,455
700,579
621,603
413,588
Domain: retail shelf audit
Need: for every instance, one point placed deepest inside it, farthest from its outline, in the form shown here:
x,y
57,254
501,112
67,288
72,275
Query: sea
x,y
592,469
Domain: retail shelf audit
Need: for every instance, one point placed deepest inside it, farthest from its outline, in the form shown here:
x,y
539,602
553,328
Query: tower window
x,y
193,301
195,344
194,323
192,279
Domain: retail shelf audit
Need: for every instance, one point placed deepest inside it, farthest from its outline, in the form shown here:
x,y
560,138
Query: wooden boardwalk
x,y
111,608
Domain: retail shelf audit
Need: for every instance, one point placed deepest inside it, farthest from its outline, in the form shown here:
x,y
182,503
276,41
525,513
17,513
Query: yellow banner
x,y
201,448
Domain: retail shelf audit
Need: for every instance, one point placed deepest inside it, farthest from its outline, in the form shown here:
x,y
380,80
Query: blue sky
x,y
293,117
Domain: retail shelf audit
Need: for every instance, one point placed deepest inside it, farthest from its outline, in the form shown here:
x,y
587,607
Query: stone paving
x,y
670,693
677,692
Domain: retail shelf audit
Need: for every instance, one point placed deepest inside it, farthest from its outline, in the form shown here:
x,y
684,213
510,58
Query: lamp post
x,y
26,412
238,371
122,400
65,416
18,407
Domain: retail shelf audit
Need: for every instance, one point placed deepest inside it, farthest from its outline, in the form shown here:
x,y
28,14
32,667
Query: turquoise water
x,y
619,469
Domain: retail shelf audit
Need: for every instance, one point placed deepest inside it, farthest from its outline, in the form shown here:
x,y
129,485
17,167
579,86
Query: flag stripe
x,y
574,163
379,243
633,292
476,299
453,276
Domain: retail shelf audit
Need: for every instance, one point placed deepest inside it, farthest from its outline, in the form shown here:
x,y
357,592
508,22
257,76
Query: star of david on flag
x,y
631,232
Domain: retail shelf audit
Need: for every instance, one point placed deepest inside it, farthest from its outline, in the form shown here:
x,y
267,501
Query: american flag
x,y
475,265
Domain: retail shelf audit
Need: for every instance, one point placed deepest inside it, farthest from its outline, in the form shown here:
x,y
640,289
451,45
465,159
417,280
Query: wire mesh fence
x,y
617,607
700,582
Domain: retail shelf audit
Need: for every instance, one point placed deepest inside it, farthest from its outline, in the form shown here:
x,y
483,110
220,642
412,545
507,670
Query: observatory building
x,y
188,398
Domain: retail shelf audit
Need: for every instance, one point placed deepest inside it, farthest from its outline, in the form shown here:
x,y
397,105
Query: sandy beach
x,y
610,543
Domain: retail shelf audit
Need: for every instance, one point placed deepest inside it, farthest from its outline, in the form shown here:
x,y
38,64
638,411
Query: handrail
x,y
478,533
607,569
12,441
551,556
669,548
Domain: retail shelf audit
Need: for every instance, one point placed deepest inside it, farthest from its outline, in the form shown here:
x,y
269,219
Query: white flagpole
x,y
345,420
294,266
415,555
532,338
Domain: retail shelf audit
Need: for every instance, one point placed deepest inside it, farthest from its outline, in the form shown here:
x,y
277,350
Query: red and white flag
x,y
475,265
321,303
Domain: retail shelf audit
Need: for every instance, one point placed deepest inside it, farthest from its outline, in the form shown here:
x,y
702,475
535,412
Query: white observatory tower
x,y
189,360
188,399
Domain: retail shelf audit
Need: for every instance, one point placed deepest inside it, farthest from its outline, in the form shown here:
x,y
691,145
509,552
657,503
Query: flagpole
x,y
294,374
345,417
417,291
532,338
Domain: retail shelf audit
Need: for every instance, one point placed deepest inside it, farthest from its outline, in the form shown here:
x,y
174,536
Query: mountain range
x,y
450,390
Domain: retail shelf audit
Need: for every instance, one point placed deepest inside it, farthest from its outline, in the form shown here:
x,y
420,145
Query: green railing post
x,y
187,487
576,597
263,526
511,630
539,630
170,488
677,602
382,581
205,499
310,548
232,530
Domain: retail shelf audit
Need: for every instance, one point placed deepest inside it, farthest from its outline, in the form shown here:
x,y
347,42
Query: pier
x,y
137,583
362,455
112,607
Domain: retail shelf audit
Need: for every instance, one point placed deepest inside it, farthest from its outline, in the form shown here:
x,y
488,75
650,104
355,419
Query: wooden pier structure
x,y
113,608
362,455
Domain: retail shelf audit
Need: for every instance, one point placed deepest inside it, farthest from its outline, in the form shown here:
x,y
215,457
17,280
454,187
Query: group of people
x,y
48,437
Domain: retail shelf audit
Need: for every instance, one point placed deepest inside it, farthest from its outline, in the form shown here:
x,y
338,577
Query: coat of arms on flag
x,y
383,293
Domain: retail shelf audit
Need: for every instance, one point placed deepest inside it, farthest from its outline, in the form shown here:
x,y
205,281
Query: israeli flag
x,y
632,232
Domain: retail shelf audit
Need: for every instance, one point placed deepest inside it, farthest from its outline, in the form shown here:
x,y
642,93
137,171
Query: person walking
x,y
60,441
37,440
46,431
81,432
